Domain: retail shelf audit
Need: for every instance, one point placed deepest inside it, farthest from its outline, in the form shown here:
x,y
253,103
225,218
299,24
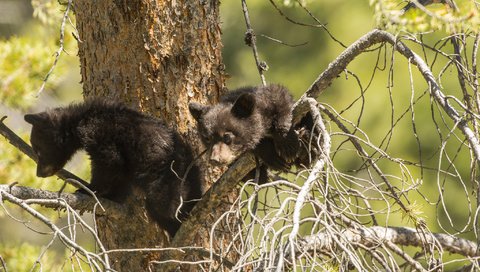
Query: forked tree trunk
x,y
157,56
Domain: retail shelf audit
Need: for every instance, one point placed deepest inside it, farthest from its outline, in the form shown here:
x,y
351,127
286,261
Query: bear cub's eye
x,y
228,138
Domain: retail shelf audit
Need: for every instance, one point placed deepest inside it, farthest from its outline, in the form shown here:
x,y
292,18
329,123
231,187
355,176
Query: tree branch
x,y
372,236
59,51
70,242
251,40
396,235
379,36
48,199
212,198
402,236
314,175
225,184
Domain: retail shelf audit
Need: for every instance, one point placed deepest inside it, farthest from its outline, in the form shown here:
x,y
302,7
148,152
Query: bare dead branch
x,y
225,184
2,262
251,41
48,199
401,236
92,258
60,50
281,42
378,36
381,249
318,25
314,175
421,5
367,157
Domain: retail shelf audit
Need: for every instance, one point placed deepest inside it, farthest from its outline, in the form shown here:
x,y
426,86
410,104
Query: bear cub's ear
x,y
197,110
38,119
244,105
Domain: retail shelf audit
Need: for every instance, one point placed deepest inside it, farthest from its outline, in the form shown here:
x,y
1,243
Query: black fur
x,y
251,118
308,134
126,148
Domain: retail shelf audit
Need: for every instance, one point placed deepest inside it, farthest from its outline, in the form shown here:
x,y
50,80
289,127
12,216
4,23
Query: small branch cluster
x,y
324,216
251,40
66,234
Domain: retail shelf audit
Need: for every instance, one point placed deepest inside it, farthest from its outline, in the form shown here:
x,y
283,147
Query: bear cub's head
x,y
228,129
52,143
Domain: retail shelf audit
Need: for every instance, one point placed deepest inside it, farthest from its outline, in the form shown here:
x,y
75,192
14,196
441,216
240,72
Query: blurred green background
x,y
374,94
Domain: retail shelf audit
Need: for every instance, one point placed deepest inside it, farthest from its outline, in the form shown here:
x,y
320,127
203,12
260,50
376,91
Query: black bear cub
x,y
251,118
126,148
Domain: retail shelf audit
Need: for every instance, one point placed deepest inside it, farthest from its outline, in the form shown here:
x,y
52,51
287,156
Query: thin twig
x,y
282,42
379,36
59,50
93,258
318,25
4,266
251,40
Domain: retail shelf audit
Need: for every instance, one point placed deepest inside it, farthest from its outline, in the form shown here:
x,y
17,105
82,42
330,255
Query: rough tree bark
x,y
157,56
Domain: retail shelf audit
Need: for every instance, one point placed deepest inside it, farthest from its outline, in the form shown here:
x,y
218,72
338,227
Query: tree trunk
x,y
156,56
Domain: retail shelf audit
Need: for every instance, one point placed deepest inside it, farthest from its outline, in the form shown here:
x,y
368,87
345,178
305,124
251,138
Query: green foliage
x,y
25,60
28,257
389,15
47,11
24,257
295,2
13,164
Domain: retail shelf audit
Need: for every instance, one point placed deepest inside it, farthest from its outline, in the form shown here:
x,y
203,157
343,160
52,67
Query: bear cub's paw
x,y
287,145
